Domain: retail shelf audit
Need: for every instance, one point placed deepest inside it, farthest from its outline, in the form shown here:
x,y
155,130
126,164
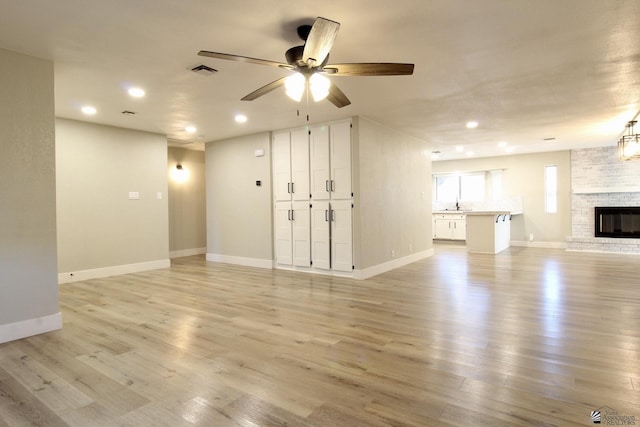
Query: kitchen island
x,y
488,232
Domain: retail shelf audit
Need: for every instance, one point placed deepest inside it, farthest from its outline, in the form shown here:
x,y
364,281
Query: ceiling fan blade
x,y
337,97
369,69
250,60
320,41
265,89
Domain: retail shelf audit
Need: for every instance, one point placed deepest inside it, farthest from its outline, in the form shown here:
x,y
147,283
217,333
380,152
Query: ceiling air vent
x,y
203,70
128,113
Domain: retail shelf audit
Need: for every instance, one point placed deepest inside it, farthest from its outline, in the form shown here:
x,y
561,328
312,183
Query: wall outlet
x,y
410,248
393,253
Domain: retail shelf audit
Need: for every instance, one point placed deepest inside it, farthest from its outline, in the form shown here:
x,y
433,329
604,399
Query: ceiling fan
x,y
309,62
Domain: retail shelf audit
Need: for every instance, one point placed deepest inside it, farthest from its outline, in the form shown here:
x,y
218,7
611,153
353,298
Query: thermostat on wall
x,y
259,152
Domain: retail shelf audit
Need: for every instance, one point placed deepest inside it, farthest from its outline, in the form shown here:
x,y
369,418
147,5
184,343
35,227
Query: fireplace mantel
x,y
604,190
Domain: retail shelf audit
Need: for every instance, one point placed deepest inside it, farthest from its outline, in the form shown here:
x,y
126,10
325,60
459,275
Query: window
x,y
467,187
472,187
447,188
551,189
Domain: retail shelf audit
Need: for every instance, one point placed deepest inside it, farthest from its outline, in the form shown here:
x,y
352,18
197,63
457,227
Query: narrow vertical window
x,y
551,189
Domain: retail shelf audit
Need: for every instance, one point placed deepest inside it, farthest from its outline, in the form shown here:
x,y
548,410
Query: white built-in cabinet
x,y
290,163
313,197
290,151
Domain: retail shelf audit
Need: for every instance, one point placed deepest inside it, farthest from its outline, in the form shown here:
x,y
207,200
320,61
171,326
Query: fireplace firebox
x,y
619,222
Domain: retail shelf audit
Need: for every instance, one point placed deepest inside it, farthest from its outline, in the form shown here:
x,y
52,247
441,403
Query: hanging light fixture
x,y
629,145
296,84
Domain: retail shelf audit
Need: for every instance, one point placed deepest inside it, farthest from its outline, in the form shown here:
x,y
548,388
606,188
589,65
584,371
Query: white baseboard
x,y
30,327
187,252
97,273
248,262
547,245
390,265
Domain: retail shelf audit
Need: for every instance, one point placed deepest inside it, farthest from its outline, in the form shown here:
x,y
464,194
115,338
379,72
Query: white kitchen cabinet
x,y
293,233
290,152
330,160
449,226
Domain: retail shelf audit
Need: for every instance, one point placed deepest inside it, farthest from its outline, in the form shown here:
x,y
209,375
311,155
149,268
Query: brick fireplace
x,y
598,179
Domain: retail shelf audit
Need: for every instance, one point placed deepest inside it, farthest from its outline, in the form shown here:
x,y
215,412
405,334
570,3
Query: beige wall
x,y
239,213
392,186
524,175
98,226
28,270
187,203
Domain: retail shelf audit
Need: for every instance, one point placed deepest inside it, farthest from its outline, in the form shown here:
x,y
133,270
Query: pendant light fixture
x,y
629,145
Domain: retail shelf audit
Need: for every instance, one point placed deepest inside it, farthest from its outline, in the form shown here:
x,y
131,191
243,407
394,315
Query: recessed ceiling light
x,y
89,110
240,118
470,153
502,144
191,129
510,149
459,148
136,92
472,125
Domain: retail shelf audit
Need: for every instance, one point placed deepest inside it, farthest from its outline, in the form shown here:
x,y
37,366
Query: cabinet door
x,y
340,143
281,153
283,234
442,229
300,164
459,230
320,249
319,161
341,236
301,234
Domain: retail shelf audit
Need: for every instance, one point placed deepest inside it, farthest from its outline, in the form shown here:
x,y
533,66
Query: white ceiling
x,y
526,70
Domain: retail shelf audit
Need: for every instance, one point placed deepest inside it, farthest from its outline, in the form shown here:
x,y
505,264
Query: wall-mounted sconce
x,y
179,173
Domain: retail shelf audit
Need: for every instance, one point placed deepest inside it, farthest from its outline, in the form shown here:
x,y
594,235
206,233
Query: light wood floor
x,y
525,337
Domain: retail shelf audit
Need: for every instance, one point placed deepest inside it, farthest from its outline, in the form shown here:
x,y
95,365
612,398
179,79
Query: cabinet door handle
x,y
326,185
292,190
333,185
333,215
326,215
288,214
289,187
293,217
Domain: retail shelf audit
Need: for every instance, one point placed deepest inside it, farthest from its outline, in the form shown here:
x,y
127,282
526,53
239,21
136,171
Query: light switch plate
x,y
134,195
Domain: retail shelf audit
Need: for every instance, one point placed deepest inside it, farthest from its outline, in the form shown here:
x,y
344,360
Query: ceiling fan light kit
x,y
309,64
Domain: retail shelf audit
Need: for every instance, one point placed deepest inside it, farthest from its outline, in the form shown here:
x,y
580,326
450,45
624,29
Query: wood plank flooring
x,y
526,337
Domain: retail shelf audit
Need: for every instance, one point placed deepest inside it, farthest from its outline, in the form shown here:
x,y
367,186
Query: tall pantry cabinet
x,y
313,197
290,152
